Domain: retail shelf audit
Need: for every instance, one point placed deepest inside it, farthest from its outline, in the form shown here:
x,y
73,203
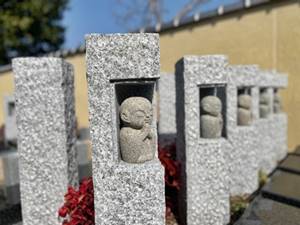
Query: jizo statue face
x,y
136,112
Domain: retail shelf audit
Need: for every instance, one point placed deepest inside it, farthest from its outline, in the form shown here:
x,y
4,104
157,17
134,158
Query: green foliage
x,y
238,204
263,177
30,27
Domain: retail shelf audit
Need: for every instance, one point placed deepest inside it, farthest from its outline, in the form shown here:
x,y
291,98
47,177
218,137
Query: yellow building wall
x,y
268,36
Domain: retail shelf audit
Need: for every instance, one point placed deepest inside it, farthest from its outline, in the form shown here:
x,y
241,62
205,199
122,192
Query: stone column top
x,y
123,56
39,63
244,75
196,66
204,60
279,80
265,79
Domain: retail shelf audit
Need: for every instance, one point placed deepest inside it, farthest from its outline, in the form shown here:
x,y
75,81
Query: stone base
x,y
265,152
279,134
242,162
131,194
207,187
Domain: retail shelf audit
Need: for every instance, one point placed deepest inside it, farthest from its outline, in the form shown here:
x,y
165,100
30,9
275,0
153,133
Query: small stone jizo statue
x,y
136,135
264,105
277,103
211,120
244,110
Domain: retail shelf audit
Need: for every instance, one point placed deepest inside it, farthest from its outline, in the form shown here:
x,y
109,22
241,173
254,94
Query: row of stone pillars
x,y
219,158
228,127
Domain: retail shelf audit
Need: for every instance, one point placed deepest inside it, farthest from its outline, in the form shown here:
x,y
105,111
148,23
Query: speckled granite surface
x,y
46,136
124,193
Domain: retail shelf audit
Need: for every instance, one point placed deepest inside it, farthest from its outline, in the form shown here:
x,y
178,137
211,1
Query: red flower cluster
x,y
78,208
167,156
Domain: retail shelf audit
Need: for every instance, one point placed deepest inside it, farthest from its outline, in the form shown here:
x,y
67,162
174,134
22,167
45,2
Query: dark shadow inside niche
x,y
264,103
11,108
219,91
244,106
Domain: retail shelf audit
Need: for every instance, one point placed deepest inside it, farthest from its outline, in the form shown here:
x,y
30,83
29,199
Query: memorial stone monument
x,y
46,136
122,70
279,117
267,153
201,117
243,110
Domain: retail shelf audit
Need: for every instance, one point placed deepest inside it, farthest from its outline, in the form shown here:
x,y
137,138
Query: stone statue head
x,y
244,101
136,112
211,105
264,98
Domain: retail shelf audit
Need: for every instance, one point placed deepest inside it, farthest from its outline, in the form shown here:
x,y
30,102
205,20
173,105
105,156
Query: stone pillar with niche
x,y
122,72
242,160
279,117
201,118
267,154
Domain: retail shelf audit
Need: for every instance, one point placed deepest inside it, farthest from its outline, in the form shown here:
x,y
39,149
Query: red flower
x,y
167,156
79,205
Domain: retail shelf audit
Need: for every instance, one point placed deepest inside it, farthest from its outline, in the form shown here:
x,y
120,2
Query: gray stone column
x,y
121,66
11,177
204,195
167,109
10,129
242,160
279,118
46,136
263,125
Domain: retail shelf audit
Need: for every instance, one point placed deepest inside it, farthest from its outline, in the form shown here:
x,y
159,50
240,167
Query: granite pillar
x,y
204,194
267,162
242,160
44,92
119,67
279,117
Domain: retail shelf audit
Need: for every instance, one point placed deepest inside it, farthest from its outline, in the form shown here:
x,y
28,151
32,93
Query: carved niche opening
x,y
244,106
135,120
213,111
264,103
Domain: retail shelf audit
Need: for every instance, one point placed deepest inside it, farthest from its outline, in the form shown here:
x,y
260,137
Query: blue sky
x,y
97,16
